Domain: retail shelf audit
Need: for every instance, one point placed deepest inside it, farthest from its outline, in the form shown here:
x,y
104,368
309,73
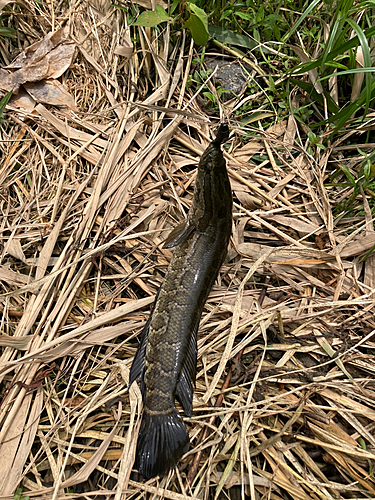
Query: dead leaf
x,y
50,92
370,261
12,278
253,147
245,199
282,183
3,3
147,4
294,223
39,49
48,58
253,250
90,465
23,101
126,48
9,447
19,343
14,248
124,51
358,77
301,262
359,246
313,74
27,440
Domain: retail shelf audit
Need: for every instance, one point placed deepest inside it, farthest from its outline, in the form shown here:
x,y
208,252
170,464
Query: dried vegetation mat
x,y
284,399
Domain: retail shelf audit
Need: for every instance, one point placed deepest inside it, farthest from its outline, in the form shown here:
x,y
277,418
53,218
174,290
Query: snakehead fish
x,y
166,358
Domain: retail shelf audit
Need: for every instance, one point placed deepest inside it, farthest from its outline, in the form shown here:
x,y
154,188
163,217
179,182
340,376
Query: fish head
x,y
212,194
222,133
212,158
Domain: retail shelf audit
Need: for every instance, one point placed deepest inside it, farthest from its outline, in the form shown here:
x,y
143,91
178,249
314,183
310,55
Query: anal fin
x,y
186,381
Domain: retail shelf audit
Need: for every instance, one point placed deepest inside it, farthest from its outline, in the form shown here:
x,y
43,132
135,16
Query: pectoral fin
x,y
179,234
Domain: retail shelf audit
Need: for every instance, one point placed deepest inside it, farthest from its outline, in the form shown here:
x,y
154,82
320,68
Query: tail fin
x,y
162,440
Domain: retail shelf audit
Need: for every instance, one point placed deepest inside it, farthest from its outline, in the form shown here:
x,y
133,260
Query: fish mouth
x,y
222,133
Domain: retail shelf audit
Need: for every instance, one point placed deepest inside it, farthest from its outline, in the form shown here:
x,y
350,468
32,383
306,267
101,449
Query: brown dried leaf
x,y
3,3
253,250
358,77
90,465
301,262
9,447
293,222
27,441
50,92
358,246
126,48
313,74
23,101
147,4
69,132
38,50
347,402
19,343
12,278
48,58
14,248
254,146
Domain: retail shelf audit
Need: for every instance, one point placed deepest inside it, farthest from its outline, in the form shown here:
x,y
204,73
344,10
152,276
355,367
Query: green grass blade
x,y
330,42
367,60
350,44
349,72
300,20
4,101
310,89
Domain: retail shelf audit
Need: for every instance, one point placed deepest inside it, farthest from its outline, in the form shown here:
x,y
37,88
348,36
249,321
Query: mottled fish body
x,y
166,359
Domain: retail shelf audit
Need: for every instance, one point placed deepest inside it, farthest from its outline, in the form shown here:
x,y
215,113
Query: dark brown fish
x,y
166,359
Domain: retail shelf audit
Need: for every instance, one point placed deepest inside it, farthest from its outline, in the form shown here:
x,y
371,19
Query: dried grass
x,y
284,400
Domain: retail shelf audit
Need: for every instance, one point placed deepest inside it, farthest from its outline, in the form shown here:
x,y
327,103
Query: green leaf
x,y
349,176
244,15
152,18
310,89
197,24
256,116
349,72
311,136
225,15
174,6
335,64
228,36
367,60
272,84
120,7
350,44
9,32
18,495
312,6
4,101
345,114
194,9
362,443
210,96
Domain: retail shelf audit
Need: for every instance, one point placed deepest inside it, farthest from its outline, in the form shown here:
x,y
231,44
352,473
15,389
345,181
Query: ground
x,y
99,145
